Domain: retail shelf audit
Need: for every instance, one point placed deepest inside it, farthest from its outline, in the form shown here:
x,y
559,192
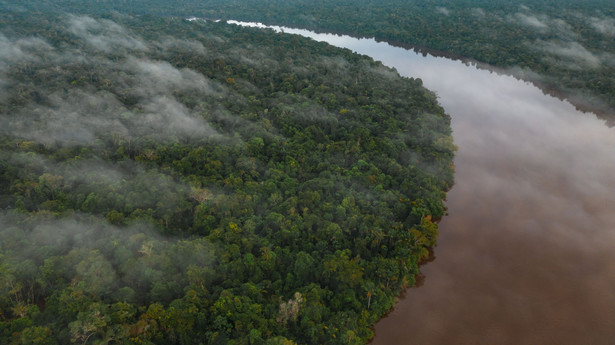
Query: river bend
x,y
527,253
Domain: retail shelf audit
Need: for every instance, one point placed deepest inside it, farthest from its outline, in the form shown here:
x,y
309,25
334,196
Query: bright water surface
x,y
527,253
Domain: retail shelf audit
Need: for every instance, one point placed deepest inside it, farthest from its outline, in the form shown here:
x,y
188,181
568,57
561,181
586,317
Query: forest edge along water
x,y
579,101
260,185
525,255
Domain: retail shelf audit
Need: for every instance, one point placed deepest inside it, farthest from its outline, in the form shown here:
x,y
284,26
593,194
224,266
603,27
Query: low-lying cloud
x,y
83,112
478,12
531,21
12,51
543,24
160,77
443,10
105,260
132,185
168,116
75,118
173,44
573,54
103,34
18,52
603,25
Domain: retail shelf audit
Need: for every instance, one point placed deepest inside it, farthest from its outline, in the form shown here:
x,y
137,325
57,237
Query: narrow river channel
x,y
527,253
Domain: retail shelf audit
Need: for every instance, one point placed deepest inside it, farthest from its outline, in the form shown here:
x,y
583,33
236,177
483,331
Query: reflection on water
x,y
527,253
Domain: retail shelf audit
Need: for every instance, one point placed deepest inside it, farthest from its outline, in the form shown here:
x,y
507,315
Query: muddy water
x,y
527,253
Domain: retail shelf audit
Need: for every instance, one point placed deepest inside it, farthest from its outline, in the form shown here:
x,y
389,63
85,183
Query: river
x,y
527,253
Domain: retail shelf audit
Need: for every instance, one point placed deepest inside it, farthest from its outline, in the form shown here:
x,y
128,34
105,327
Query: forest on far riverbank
x,y
565,47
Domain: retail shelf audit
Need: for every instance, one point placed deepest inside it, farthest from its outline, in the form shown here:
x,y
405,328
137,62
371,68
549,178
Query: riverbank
x,y
532,190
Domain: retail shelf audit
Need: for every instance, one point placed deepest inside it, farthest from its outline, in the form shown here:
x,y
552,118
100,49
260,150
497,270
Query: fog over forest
x,y
167,177
166,180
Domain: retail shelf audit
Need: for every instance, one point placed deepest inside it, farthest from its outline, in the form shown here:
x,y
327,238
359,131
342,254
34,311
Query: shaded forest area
x,y
172,182
565,47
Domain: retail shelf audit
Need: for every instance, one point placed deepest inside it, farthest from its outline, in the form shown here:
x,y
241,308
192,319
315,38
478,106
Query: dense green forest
x,y
164,181
564,46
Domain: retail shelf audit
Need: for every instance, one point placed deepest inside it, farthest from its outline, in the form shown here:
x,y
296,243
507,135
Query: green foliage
x,y
565,46
175,182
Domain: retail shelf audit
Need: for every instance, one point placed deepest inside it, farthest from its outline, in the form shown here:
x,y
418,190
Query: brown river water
x,y
527,252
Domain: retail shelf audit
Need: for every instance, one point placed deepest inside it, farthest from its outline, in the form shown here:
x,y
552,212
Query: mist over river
x,y
527,253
